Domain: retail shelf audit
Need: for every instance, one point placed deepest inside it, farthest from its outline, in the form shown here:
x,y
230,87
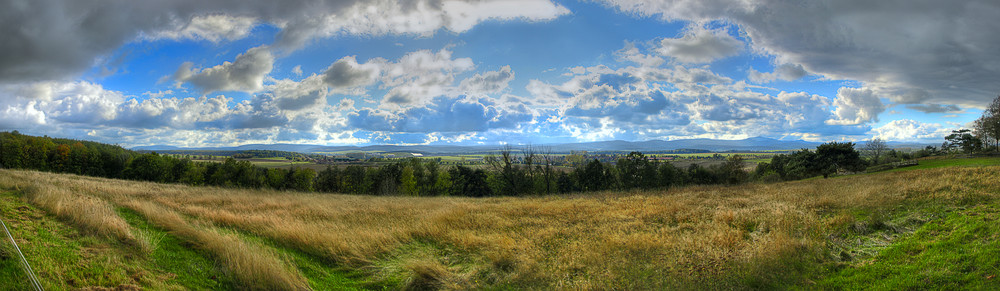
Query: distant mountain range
x,y
715,145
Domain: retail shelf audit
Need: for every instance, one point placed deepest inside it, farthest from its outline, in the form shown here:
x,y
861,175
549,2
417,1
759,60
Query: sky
x,y
195,73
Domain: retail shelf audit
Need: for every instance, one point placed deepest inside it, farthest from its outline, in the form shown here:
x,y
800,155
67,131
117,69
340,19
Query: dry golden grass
x,y
255,267
90,213
721,237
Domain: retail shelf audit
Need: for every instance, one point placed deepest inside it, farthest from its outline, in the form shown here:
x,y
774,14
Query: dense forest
x,y
511,172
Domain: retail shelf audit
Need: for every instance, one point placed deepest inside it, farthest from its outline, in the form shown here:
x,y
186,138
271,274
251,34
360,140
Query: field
x,y
916,228
268,162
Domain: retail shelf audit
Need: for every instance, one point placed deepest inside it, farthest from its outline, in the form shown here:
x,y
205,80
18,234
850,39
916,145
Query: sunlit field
x,y
802,234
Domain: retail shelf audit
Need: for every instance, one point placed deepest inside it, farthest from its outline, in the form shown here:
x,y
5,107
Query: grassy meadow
x,y
918,228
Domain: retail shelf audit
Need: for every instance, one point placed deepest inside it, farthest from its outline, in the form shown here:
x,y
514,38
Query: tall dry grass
x,y
718,237
90,213
254,266
81,201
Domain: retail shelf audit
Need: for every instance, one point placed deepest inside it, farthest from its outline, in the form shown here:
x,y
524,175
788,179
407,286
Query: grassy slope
x,y
959,251
185,266
934,244
939,162
949,242
64,257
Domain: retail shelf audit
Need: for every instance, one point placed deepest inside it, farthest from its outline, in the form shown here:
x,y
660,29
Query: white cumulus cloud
x,y
856,106
911,130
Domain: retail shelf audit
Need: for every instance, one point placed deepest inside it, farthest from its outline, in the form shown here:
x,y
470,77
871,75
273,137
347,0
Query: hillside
x,y
927,228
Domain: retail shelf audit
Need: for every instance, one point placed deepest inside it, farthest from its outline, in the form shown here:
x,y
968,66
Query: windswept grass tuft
x,y
90,213
255,267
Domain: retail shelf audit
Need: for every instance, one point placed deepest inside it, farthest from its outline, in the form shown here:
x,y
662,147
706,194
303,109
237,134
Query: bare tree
x,y
504,165
499,163
875,149
528,157
547,171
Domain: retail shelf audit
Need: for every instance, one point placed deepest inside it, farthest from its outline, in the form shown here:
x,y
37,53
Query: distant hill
x,y
715,145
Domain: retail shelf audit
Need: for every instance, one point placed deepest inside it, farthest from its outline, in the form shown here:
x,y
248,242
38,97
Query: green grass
x,y
346,152
960,251
185,266
319,274
280,164
954,162
63,257
930,163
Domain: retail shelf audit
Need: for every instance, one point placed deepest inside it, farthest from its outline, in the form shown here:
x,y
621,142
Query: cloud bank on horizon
x,y
219,73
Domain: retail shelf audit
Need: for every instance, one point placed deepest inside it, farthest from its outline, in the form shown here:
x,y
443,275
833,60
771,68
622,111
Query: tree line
x,y
984,137
18,151
526,174
510,172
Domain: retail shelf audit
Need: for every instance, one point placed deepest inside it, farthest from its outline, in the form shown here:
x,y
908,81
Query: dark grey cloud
x,y
246,73
347,73
489,82
700,45
786,72
945,51
51,39
58,39
935,108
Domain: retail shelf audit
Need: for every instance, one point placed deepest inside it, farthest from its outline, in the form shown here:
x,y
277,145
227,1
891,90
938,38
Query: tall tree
x,y
442,183
595,177
964,140
732,170
469,182
512,179
987,126
670,175
408,182
300,179
875,149
835,156
11,151
630,169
